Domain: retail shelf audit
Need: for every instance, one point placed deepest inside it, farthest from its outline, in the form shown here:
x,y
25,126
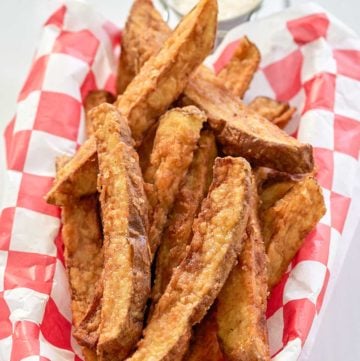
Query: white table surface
x,y
338,337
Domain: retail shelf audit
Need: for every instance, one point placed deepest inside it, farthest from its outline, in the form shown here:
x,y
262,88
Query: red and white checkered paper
x,y
308,59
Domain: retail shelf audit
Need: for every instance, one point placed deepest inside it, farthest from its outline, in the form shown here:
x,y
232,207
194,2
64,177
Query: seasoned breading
x,y
177,234
164,76
175,141
241,304
126,277
288,222
205,344
148,96
81,233
276,112
145,20
238,73
218,233
93,99
244,133
77,178
82,237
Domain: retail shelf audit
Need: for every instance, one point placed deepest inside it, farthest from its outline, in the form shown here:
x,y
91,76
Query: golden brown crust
x,y
287,223
93,99
82,237
177,234
77,178
244,133
126,277
205,344
276,112
239,72
81,233
241,304
175,141
164,76
143,19
194,285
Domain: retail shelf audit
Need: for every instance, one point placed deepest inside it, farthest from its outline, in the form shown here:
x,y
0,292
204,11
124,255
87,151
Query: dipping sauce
x,y
228,9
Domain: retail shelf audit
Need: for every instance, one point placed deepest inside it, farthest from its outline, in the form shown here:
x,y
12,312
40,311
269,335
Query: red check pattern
x,y
302,63
312,72
72,59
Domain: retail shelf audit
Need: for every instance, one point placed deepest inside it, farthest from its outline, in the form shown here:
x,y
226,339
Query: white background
x,y
338,337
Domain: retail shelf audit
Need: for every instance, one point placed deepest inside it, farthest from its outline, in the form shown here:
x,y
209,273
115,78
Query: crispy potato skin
x,y
244,133
239,72
241,304
288,222
126,277
93,99
135,51
194,285
276,112
177,234
147,97
175,141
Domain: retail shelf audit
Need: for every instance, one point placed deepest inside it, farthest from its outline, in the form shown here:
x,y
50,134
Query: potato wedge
x,y
244,133
175,141
288,222
194,285
239,72
93,99
276,112
177,234
241,304
144,34
82,236
164,76
126,277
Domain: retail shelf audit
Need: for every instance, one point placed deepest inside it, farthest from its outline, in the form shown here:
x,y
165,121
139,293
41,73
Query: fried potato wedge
x,y
177,234
244,133
164,76
175,141
144,34
241,304
276,112
82,237
239,72
93,99
81,233
205,344
126,277
218,232
288,222
77,178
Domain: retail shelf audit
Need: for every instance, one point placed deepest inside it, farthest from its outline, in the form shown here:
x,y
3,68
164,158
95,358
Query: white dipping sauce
x,y
228,9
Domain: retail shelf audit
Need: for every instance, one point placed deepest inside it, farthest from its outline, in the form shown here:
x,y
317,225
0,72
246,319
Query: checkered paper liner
x,y
308,59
